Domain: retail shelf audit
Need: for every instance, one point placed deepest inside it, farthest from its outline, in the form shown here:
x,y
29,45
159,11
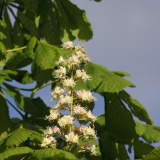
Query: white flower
x,y
56,130
61,72
91,117
48,131
54,114
68,83
85,95
61,61
82,57
79,48
48,141
65,120
87,132
73,61
71,137
91,148
65,100
67,45
82,75
57,92
79,110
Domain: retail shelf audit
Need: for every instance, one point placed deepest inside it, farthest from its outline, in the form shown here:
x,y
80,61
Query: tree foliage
x,y
31,34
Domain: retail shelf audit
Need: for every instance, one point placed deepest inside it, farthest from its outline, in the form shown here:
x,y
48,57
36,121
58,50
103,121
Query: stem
x,y
11,104
38,88
16,49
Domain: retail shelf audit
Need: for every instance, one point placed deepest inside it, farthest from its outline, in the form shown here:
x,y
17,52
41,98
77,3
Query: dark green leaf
x,y
110,149
119,120
141,148
53,153
5,122
100,125
28,24
136,108
72,21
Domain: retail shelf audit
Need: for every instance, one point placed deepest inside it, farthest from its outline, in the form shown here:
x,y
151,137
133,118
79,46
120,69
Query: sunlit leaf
x,y
104,80
18,136
154,155
15,152
53,153
72,21
151,134
140,128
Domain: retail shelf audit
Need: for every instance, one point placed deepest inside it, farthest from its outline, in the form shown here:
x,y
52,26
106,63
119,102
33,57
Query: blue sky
x,y
127,38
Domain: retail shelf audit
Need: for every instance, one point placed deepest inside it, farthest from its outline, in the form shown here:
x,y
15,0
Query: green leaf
x,y
28,24
104,80
72,21
2,36
100,125
151,134
119,120
140,128
141,148
18,137
154,155
121,74
15,152
136,108
18,60
28,105
47,55
6,75
5,122
53,153
110,149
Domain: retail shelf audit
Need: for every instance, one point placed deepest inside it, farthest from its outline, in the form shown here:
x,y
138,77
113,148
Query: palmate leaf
x,y
72,21
15,152
5,122
141,148
48,27
54,154
7,31
119,120
140,128
110,149
154,155
28,24
18,136
47,55
104,80
100,124
6,75
136,108
151,134
28,105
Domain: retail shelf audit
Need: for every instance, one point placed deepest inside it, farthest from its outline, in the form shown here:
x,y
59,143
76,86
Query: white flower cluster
x,y
69,99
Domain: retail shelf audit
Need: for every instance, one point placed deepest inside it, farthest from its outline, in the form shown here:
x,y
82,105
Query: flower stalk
x,y
68,111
